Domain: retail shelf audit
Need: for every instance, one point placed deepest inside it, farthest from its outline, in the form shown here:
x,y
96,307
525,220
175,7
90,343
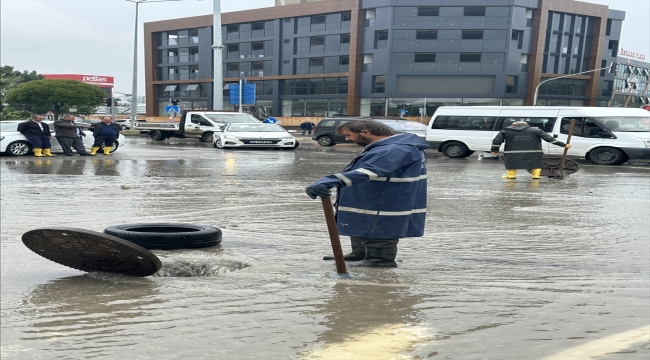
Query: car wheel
x,y
124,127
167,236
156,136
455,150
19,148
325,141
607,156
218,144
207,137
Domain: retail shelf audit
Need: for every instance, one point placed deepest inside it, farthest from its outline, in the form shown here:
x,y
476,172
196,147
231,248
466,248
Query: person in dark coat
x,y
307,126
382,193
105,133
523,149
70,135
38,133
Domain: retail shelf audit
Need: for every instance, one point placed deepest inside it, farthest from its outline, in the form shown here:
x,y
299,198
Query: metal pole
x,y
134,88
217,96
241,94
560,77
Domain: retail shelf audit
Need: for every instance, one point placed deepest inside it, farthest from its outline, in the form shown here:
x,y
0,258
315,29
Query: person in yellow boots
x,y
38,134
523,148
105,133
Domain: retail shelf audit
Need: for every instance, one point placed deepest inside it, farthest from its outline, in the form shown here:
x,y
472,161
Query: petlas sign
x,y
100,80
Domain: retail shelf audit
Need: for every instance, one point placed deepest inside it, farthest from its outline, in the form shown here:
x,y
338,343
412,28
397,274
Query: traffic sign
x,y
172,108
248,94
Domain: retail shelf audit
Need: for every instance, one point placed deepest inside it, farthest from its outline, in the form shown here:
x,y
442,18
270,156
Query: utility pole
x,y
611,68
217,96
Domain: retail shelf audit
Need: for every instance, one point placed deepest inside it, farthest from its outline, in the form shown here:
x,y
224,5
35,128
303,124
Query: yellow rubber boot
x,y
536,173
93,150
47,152
38,152
107,150
512,174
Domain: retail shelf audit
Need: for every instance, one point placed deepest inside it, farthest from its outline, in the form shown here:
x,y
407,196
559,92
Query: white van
x,y
606,136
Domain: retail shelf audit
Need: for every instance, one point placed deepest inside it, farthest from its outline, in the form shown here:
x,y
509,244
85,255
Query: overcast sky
x,y
95,37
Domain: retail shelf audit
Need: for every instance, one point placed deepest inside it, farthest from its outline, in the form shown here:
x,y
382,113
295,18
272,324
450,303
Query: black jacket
x,y
31,128
523,149
98,126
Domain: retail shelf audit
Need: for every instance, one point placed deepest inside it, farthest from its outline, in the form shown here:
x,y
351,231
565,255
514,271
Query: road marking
x,y
383,343
605,346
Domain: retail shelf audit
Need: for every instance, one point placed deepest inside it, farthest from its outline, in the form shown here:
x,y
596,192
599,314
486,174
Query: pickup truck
x,y
194,124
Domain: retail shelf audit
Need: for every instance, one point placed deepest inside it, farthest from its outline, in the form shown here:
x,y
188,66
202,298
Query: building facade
x,y
630,87
371,57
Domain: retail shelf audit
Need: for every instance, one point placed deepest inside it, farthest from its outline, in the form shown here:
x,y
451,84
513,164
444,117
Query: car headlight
x,y
230,137
287,137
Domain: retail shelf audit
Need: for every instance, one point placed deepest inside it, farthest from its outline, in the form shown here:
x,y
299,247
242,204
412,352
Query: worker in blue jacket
x,y
381,194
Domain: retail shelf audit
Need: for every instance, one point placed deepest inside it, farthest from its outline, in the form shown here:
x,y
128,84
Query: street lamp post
x,y
610,67
217,91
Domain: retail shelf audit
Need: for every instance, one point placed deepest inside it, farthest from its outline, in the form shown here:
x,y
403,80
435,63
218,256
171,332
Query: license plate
x,y
260,142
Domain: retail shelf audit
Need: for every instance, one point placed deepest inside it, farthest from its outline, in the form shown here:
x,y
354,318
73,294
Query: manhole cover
x,y
91,251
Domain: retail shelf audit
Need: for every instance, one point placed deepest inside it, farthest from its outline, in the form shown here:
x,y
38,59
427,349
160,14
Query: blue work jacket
x,y
382,193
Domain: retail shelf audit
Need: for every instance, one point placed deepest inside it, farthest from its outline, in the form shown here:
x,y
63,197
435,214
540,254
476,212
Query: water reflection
x,y
64,313
39,166
72,167
106,167
368,321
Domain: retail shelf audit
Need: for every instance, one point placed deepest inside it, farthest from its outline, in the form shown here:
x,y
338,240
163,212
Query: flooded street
x,y
553,269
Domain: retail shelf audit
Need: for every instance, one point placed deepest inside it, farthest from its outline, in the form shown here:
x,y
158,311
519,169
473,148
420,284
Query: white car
x,y
14,143
254,135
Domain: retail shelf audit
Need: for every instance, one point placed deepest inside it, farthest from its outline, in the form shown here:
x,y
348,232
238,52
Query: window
x,y
529,17
314,62
523,61
317,40
346,16
318,19
233,67
172,55
194,54
472,34
232,47
428,11
484,123
426,34
345,60
233,28
470,57
608,29
368,59
258,45
172,38
379,84
258,25
518,37
257,65
511,84
613,47
381,39
345,38
194,36
170,87
425,57
545,124
474,11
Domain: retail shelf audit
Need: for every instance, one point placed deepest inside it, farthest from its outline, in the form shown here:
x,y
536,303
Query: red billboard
x,y
99,80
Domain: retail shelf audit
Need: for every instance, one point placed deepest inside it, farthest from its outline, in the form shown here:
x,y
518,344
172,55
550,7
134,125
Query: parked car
x,y
125,124
254,135
14,143
325,132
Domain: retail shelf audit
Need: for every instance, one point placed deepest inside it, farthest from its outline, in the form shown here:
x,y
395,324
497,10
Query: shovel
x,y
561,173
328,209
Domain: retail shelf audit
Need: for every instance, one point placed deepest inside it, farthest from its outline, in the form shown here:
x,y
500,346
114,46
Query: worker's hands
x,y
317,190
568,146
494,152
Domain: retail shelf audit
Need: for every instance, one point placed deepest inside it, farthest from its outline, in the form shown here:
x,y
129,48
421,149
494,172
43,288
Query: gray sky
x,y
95,37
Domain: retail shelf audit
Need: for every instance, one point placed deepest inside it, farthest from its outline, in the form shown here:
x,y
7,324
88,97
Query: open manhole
x,y
195,267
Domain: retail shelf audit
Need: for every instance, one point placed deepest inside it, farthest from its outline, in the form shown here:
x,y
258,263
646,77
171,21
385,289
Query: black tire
x,y
167,236
607,156
19,148
124,127
455,149
325,141
156,135
207,137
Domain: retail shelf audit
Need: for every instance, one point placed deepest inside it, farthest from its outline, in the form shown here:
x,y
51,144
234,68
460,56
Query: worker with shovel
x,y
523,149
381,194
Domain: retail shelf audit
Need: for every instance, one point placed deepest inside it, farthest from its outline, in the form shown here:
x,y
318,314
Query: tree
x,y
9,79
57,95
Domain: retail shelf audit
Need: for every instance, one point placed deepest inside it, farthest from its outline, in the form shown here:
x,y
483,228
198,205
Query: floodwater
x,y
554,269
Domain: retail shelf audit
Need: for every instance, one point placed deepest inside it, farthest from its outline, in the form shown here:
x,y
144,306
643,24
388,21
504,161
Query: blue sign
x,y
270,120
172,108
403,111
248,94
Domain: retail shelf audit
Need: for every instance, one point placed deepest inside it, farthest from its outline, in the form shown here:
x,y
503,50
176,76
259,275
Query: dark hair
x,y
374,127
